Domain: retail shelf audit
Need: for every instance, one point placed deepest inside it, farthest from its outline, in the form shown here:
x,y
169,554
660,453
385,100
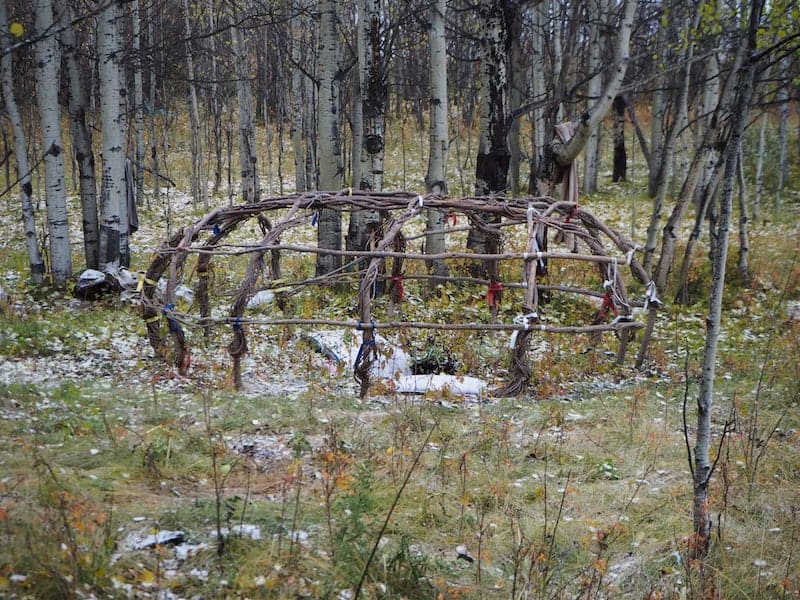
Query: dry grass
x,y
581,488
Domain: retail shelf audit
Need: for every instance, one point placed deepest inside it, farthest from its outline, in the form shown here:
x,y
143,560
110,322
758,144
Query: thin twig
x,y
391,510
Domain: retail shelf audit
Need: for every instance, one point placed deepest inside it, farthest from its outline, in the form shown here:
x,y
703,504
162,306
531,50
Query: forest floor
x,y
120,478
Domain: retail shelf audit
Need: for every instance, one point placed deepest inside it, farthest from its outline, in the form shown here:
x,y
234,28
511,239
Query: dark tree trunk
x,y
620,156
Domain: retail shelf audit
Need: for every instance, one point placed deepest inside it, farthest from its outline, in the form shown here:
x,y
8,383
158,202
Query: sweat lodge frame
x,y
592,241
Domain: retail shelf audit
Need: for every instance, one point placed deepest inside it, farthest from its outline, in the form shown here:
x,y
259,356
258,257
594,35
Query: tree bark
x,y
138,102
151,98
329,149
47,78
566,153
702,461
248,159
620,170
762,142
782,98
81,137
298,101
669,146
35,262
597,10
744,238
214,101
435,179
365,224
198,177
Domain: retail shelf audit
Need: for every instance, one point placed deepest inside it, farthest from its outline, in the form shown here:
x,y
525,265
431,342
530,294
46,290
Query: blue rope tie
x,y
361,351
216,230
237,324
174,326
361,326
315,218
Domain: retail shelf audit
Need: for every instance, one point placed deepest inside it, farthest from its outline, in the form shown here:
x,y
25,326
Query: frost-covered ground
x,y
583,485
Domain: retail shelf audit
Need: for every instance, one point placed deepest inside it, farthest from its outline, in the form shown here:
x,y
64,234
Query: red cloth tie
x,y
398,286
492,296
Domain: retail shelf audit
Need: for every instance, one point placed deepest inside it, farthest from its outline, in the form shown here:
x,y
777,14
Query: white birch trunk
x,y
329,149
538,91
702,460
762,142
744,237
597,11
566,153
81,137
199,183
114,217
35,262
436,178
517,91
364,224
47,80
248,159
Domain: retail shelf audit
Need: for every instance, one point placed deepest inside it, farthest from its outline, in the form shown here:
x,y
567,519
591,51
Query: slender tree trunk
x,y
114,251
702,461
597,11
782,97
538,91
657,115
81,137
707,197
297,107
152,96
517,92
762,142
435,179
248,159
35,262
744,238
668,149
138,102
365,224
620,169
199,184
329,231
214,101
47,79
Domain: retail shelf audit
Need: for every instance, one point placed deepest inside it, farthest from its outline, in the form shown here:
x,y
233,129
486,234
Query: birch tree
x,y
597,12
702,467
138,101
298,102
329,150
81,136
248,159
198,178
435,179
47,78
364,224
35,262
567,152
114,251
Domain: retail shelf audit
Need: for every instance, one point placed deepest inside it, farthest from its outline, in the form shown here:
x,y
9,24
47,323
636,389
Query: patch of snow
x,y
453,384
342,347
261,298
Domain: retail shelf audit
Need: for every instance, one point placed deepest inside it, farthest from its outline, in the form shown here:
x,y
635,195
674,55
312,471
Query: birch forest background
x,y
132,469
